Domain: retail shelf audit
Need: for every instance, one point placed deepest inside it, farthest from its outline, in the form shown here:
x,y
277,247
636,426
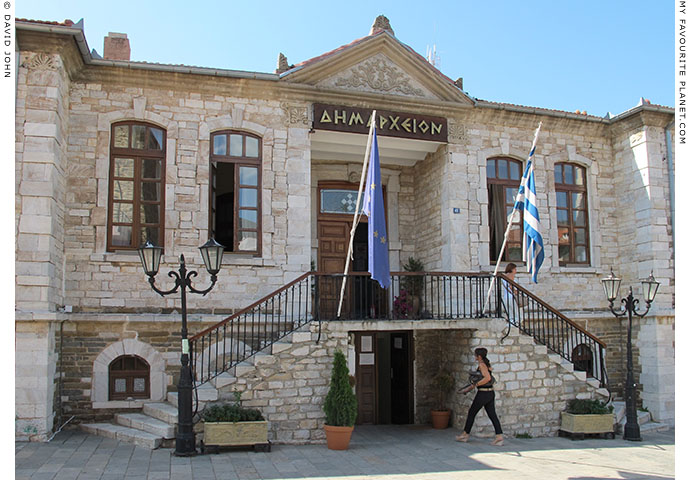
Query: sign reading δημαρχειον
x,y
393,124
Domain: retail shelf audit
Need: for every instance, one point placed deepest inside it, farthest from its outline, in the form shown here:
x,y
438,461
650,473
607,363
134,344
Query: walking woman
x,y
485,398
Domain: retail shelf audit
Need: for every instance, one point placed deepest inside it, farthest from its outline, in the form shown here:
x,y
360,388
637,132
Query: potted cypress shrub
x,y
340,406
587,417
232,425
442,384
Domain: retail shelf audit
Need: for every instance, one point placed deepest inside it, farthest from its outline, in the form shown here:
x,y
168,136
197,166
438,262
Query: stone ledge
x,y
121,403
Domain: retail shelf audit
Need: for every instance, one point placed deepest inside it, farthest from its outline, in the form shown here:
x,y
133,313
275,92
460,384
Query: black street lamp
x,y
629,306
212,254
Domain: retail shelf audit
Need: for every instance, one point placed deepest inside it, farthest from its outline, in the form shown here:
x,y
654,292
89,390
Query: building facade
x,y
111,153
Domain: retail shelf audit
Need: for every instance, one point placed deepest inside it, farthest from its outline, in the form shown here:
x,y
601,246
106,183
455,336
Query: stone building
x,y
111,152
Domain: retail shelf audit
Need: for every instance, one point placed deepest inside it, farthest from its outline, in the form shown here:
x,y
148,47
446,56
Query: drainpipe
x,y
671,184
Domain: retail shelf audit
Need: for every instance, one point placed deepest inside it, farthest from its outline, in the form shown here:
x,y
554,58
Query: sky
x,y
595,56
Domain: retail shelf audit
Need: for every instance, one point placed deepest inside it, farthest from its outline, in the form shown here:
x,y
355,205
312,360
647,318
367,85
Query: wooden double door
x,y
384,377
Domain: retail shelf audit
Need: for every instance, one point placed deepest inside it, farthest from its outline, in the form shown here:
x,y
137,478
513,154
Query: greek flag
x,y
372,206
526,200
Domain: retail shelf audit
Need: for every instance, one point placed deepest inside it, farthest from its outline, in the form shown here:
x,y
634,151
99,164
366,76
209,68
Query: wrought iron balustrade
x,y
223,346
536,318
411,295
415,296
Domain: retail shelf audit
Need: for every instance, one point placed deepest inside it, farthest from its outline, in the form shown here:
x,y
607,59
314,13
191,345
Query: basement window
x,y
129,377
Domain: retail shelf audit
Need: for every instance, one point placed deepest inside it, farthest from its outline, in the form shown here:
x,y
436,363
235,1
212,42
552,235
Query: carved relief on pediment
x,y
377,74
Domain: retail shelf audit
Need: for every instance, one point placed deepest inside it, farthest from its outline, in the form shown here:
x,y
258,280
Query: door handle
x,y
391,374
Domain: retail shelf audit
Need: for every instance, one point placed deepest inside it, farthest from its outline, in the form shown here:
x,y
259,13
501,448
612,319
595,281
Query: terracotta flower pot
x,y
338,438
440,418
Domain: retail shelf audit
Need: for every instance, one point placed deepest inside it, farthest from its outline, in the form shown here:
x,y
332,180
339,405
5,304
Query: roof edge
x,y
79,37
572,115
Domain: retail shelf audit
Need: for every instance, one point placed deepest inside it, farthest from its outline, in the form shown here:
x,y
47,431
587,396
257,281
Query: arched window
x,y
571,202
583,359
129,377
503,178
136,193
235,191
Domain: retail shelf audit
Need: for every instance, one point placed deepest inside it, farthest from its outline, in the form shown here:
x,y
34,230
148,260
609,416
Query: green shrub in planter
x,y
232,412
588,407
341,403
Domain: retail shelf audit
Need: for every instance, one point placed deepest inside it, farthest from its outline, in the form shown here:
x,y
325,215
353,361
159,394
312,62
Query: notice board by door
x,y
365,351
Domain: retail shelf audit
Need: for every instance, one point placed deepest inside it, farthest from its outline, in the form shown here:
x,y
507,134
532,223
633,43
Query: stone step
x,y
172,400
603,392
651,427
146,423
620,417
162,411
580,375
280,347
593,382
223,380
125,434
257,358
243,367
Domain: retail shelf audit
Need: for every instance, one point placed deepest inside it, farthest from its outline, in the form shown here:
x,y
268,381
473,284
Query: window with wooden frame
x,y
129,377
503,181
136,193
235,191
571,208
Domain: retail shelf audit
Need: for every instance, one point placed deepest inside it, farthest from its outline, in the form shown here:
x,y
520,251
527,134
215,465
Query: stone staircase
x,y
155,425
644,420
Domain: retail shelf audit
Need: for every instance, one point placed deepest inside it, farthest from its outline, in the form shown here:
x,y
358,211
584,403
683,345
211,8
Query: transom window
x,y
503,178
136,190
129,377
340,201
571,203
235,193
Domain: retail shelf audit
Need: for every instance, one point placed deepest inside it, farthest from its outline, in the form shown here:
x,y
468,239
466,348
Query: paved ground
x,y
382,452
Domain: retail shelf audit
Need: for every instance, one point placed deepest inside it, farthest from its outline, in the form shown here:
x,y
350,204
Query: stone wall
x,y
428,205
531,390
435,351
35,380
100,281
290,386
82,343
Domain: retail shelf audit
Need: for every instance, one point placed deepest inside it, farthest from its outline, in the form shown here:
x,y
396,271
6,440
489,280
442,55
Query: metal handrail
x,y
412,296
536,318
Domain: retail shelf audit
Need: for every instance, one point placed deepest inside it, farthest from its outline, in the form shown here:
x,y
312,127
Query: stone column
x,y
42,100
645,245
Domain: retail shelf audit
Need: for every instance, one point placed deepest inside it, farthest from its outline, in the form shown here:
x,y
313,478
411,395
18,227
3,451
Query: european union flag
x,y
372,206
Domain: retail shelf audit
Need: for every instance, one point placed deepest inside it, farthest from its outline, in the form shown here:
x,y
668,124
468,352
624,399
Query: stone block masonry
x,y
289,387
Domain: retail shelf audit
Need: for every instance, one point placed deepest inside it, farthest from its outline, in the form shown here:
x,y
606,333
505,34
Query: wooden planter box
x,y
587,423
236,434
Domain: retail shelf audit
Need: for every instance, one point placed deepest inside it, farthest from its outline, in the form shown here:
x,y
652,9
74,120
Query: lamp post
x,y
212,254
629,306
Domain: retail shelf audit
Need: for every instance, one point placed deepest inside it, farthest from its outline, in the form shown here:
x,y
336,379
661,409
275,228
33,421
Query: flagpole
x,y
356,217
523,182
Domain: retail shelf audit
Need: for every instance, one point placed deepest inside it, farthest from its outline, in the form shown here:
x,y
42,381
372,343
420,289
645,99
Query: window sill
x,y
231,258
117,256
138,403
576,269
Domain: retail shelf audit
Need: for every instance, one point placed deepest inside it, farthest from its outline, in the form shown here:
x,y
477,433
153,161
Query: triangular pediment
x,y
378,64
377,74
